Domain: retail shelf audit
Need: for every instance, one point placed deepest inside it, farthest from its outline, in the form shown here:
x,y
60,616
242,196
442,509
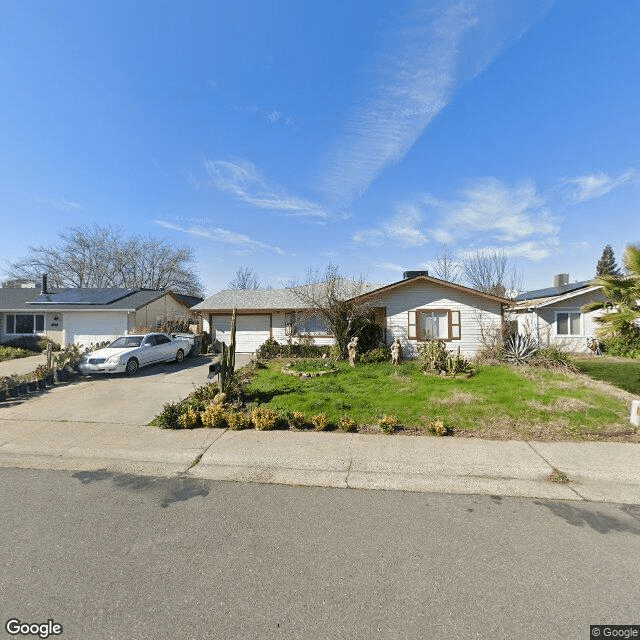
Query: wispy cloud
x,y
62,204
595,185
218,234
441,47
244,182
487,213
403,229
490,212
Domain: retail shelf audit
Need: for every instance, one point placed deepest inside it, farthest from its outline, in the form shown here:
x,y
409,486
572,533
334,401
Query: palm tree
x,y
622,294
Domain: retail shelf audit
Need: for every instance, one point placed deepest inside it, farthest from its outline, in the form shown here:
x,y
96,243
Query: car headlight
x,y
113,360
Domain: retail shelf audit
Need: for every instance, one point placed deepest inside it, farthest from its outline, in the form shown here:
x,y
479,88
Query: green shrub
x,y
271,348
12,353
237,420
169,416
347,424
387,424
432,356
320,422
207,392
214,417
264,418
377,355
189,419
627,346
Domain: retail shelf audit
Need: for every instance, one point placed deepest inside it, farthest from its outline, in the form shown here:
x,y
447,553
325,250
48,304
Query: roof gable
x,y
443,283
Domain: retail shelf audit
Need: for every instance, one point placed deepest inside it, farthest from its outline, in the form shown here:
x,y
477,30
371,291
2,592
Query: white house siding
x,y
476,314
541,323
86,328
52,326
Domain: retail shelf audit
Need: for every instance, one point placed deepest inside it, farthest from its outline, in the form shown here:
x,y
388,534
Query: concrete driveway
x,y
115,398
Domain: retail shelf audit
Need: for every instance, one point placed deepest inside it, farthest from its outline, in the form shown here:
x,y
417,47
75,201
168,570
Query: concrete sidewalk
x,y
597,471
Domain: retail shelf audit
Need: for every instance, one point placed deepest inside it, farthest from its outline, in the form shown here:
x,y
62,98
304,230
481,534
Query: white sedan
x,y
128,353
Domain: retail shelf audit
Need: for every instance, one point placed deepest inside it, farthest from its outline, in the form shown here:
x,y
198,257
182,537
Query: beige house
x,y
86,316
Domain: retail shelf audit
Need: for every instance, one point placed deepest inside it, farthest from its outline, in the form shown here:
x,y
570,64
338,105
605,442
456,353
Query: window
x,y
434,324
24,323
310,325
568,323
160,339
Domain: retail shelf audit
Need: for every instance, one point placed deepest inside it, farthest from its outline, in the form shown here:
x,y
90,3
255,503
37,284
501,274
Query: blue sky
x,y
282,135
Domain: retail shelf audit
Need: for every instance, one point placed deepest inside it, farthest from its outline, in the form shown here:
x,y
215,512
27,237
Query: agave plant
x,y
519,348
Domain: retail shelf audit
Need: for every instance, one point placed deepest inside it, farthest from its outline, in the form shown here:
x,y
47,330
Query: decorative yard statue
x,y
396,351
594,346
353,351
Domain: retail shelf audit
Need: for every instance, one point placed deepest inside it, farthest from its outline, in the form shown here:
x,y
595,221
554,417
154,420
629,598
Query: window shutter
x,y
411,328
455,332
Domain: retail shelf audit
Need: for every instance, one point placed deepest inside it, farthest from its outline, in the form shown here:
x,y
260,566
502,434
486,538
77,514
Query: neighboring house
x,y
85,316
414,309
553,316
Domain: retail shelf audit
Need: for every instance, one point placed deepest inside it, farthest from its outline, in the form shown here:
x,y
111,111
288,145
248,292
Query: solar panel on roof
x,y
84,296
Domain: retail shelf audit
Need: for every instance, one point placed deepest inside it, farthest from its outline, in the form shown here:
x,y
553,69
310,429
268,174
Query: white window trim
x,y
35,332
569,335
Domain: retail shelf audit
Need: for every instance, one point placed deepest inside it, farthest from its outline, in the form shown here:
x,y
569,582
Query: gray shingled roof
x,y
27,300
256,299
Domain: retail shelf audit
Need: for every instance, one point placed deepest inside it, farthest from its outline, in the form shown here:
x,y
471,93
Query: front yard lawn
x,y
623,373
499,402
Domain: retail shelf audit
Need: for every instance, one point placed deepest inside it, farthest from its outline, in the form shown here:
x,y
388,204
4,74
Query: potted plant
x,y
11,383
41,372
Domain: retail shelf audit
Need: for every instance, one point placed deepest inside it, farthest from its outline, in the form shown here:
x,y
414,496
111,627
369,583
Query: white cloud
x,y
59,203
218,234
403,229
245,183
487,213
596,185
441,47
491,208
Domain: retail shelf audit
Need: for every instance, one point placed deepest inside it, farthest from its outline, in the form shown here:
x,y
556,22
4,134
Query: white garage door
x,y
93,328
251,331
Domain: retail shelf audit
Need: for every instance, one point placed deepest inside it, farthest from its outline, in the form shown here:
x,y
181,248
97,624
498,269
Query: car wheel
x,y
180,356
132,366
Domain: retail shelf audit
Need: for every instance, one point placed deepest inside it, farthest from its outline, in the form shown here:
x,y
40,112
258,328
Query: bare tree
x,y
245,278
491,271
102,257
446,266
336,301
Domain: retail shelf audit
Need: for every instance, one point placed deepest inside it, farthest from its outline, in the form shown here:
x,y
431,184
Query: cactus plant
x,y
228,360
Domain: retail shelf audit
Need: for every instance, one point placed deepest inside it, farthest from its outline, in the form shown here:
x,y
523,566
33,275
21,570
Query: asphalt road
x,y
117,556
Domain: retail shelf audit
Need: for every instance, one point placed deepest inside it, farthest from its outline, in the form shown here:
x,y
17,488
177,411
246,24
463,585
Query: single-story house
x,y
86,316
553,316
414,309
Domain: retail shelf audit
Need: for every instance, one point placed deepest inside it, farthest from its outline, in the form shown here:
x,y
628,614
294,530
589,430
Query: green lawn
x,y
500,401
623,373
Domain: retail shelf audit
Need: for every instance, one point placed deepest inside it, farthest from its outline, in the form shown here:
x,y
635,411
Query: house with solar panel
x,y
86,316
553,316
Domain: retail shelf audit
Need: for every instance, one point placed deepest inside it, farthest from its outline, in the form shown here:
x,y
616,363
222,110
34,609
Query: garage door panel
x,y
251,331
92,328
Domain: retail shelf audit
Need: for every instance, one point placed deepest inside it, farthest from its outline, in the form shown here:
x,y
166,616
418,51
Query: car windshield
x,y
126,341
